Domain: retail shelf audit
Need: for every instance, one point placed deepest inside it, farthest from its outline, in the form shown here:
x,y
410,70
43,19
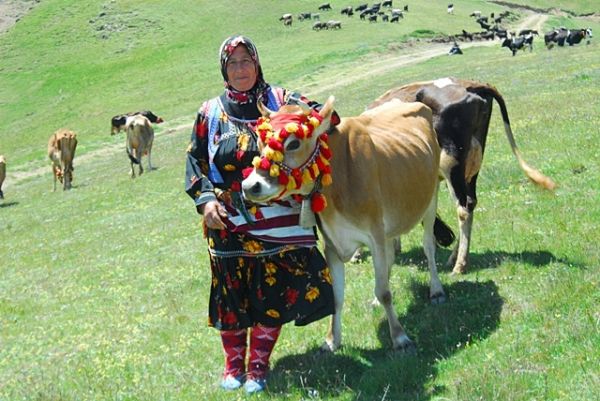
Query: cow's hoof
x,y
438,299
328,348
406,347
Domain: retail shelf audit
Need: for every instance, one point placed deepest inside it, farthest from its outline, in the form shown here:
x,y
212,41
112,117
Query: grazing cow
x,y
61,151
318,25
395,18
2,174
140,136
381,182
576,36
347,11
461,116
518,43
119,122
406,7
303,16
361,7
386,3
285,16
334,24
467,35
373,18
384,18
476,14
450,9
325,6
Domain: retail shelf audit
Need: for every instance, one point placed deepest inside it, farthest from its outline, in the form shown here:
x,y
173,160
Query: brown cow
x,y
61,151
2,174
384,172
461,116
140,136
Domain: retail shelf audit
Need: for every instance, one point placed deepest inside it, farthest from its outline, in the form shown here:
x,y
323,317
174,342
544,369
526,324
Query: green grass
x,y
103,289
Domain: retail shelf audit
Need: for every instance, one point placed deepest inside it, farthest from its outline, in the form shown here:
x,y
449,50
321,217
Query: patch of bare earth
x,y
11,11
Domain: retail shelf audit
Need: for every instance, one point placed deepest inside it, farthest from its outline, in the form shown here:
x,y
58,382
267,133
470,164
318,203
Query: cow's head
x,y
117,123
294,153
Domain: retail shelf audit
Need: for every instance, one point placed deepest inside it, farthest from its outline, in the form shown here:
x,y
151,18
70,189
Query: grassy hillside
x,y
103,289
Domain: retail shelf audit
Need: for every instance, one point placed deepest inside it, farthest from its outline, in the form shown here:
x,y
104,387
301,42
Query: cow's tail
x,y
133,159
534,175
442,232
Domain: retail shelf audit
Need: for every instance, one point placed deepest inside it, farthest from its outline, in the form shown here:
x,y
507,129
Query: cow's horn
x,y
264,110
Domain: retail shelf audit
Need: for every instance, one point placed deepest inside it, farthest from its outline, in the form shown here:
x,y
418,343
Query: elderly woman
x,y
266,268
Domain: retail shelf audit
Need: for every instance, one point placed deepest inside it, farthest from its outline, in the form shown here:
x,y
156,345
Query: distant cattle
x,y
475,14
450,9
525,32
361,7
347,11
318,25
461,117
575,36
395,18
517,43
303,16
334,24
140,137
325,6
2,174
386,3
286,16
119,122
61,151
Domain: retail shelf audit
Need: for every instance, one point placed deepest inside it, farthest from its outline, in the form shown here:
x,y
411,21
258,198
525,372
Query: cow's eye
x,y
292,145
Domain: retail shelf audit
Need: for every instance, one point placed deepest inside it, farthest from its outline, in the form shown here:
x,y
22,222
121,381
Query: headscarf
x,y
227,48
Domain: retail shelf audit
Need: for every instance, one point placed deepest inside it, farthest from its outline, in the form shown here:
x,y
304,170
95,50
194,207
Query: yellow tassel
x,y
291,185
270,153
256,161
306,178
291,127
324,160
315,169
274,170
314,122
277,156
326,180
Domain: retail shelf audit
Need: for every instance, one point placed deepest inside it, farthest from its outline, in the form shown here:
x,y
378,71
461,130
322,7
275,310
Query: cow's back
x,y
140,133
385,166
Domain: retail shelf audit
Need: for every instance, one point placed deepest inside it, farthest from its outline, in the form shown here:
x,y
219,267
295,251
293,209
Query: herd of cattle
x,y
491,26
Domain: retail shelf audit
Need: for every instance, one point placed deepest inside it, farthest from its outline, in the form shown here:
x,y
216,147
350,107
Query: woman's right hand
x,y
214,212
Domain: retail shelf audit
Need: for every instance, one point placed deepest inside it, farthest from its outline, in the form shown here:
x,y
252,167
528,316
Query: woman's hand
x,y
214,212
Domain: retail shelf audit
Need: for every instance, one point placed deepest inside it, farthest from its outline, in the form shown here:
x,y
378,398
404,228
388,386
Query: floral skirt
x,y
261,282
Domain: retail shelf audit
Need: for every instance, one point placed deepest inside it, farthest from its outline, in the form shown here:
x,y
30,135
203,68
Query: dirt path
x,y
367,66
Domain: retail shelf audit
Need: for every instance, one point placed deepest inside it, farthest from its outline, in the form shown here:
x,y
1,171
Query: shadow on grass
x,y
471,314
480,261
8,204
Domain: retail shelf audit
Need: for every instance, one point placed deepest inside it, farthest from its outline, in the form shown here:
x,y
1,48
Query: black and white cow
x,y
518,43
577,35
119,122
461,117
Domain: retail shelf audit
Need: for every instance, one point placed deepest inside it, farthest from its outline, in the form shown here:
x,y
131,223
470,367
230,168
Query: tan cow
x,y
384,174
61,151
140,136
2,174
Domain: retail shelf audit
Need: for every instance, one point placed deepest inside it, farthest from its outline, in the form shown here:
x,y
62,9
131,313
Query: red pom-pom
x,y
318,202
283,178
258,215
236,186
264,164
326,153
275,144
246,172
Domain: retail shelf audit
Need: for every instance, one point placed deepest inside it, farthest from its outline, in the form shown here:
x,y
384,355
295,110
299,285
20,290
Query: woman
x,y
266,269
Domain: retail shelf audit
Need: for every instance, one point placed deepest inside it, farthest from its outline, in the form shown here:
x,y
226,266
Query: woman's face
x,y
241,69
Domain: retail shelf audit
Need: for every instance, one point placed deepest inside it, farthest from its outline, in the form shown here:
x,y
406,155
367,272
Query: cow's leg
x,y
333,340
458,190
381,264
150,168
436,291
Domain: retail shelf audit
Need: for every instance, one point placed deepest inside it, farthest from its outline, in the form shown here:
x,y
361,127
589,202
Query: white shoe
x,y
254,386
231,382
